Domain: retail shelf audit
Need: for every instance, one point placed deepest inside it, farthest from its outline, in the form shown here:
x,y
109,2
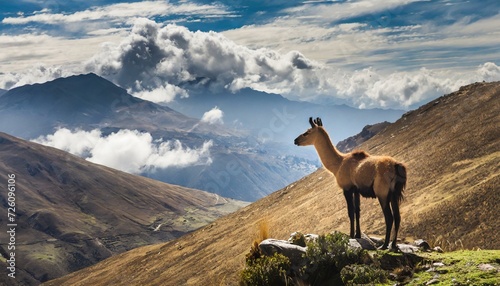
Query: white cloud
x,y
213,116
22,55
127,150
37,74
121,12
162,94
153,55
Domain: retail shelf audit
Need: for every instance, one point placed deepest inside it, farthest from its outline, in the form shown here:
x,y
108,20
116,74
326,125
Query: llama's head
x,y
309,137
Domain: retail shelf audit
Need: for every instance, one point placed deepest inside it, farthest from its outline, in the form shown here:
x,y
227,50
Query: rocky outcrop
x,y
350,143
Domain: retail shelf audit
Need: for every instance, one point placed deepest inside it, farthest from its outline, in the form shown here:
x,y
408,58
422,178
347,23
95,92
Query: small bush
x,y
362,274
267,270
328,256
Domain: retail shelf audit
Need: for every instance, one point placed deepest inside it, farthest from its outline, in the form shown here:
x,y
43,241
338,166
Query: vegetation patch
x,y
329,260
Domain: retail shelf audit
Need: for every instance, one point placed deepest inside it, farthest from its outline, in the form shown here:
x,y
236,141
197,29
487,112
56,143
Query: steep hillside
x,y
452,150
70,213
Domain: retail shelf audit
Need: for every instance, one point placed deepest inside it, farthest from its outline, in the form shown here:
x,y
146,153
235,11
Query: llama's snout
x,y
296,141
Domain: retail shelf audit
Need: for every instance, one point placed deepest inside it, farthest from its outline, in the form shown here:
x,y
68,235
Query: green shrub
x,y
362,274
267,270
327,256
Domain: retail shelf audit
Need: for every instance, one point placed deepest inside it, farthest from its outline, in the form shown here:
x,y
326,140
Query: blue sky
x,y
377,53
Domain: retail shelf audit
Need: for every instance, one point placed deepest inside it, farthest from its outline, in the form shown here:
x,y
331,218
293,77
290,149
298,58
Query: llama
x,y
359,173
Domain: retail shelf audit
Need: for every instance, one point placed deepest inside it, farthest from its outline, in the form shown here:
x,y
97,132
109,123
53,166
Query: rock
x,y
354,244
297,238
390,260
438,264
420,243
432,281
408,248
311,237
487,267
438,249
293,252
362,243
376,240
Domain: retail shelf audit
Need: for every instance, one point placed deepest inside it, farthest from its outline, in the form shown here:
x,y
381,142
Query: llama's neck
x,y
328,154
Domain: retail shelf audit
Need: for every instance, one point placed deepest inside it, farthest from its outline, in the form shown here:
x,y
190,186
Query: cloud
x,y
127,150
31,58
121,12
213,116
153,55
370,88
163,94
37,74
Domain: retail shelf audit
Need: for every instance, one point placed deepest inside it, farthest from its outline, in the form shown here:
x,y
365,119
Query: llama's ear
x,y
319,122
311,121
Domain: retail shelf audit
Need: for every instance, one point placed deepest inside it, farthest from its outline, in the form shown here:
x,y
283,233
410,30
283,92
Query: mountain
x,y
71,213
368,132
83,101
90,102
271,117
452,151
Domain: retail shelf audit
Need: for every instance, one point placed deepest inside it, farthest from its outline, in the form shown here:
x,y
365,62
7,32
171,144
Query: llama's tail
x,y
400,182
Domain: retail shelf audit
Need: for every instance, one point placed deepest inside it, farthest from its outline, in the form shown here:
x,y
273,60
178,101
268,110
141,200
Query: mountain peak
x,y
80,101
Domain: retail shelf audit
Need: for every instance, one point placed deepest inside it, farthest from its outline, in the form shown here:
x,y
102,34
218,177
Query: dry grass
x,y
452,198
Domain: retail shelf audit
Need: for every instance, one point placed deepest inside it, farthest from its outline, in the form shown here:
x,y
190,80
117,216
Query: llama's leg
x,y
397,220
386,208
350,209
357,211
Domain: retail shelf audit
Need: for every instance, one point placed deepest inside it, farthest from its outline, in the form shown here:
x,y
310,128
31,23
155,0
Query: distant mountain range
x,y
71,213
271,117
251,154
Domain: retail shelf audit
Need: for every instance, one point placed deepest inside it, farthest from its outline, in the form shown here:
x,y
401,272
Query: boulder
x,y
422,244
294,252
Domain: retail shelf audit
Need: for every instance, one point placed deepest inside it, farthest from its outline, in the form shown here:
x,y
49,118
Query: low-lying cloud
x,y
213,116
127,150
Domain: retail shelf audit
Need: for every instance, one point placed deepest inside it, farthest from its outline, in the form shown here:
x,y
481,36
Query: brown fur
x,y
359,154
359,173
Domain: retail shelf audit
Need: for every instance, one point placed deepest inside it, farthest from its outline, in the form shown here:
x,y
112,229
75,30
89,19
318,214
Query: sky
x,y
364,53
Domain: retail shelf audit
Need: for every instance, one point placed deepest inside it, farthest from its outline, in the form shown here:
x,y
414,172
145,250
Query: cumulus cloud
x,y
153,55
213,116
369,88
163,94
127,150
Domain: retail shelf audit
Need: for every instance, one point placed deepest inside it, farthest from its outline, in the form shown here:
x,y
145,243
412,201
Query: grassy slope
x,y
452,150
